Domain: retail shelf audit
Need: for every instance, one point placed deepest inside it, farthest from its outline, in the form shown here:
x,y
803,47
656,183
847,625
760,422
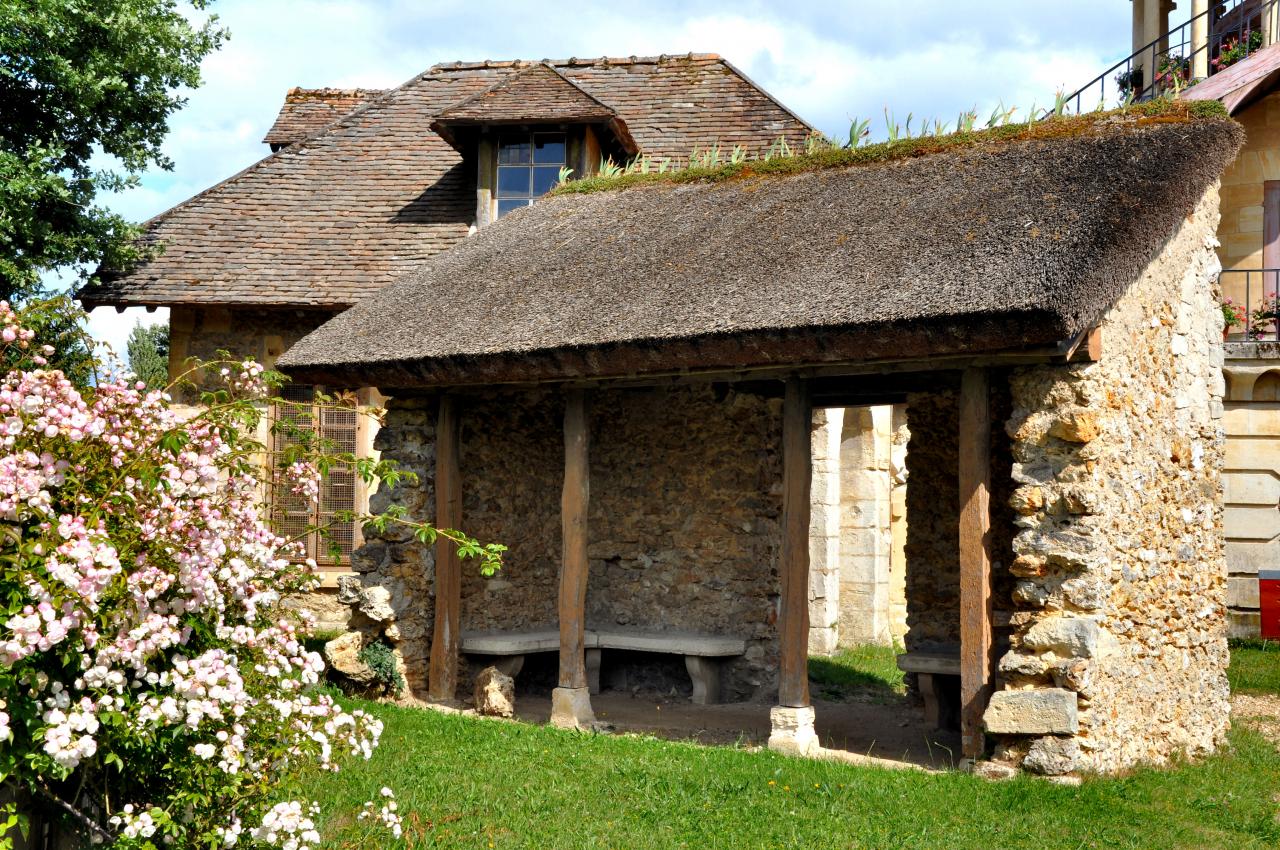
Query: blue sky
x,y
829,61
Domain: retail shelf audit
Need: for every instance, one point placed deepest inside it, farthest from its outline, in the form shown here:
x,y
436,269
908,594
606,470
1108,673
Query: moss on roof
x,y
1057,127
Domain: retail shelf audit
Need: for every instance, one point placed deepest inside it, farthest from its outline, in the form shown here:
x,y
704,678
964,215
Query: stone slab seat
x,y
702,652
938,677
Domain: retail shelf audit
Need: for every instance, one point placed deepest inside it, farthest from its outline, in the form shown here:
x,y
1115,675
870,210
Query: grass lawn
x,y
1255,666
463,782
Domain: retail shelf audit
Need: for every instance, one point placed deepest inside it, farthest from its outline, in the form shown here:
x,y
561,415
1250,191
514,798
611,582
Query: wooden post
x,y
571,702
573,569
975,557
443,677
793,621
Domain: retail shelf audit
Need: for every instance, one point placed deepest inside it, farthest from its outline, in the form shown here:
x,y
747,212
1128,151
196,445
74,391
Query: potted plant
x,y
1233,316
1235,49
1263,319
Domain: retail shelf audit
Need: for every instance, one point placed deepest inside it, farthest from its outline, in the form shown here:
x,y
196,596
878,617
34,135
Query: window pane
x,y
513,150
513,180
545,178
548,148
506,205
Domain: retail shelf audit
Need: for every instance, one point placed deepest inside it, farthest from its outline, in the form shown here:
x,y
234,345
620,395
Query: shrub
x,y
153,688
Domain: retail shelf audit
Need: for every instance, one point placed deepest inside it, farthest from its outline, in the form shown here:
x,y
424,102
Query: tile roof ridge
x,y
301,91
575,62
509,80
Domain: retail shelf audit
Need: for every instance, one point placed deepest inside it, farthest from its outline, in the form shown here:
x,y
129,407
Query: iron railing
x,y
1251,304
1236,29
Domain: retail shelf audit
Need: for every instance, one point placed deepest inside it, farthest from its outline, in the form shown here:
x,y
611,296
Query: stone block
x,y
343,656
1052,756
1249,557
571,708
1252,454
1075,637
1244,624
1251,420
495,693
1079,425
375,603
1250,488
791,730
1251,523
1242,592
1042,711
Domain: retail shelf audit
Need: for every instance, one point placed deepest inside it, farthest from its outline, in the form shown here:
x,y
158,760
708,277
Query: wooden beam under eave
x,y
975,557
793,619
573,566
442,680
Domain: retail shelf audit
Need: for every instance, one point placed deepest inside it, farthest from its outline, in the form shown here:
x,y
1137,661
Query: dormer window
x,y
529,166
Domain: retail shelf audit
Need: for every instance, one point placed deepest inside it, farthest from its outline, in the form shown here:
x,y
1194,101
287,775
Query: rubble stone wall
x,y
683,520
932,548
1119,648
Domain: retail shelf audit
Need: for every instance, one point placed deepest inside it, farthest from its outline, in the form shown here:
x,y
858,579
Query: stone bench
x,y
938,678
703,653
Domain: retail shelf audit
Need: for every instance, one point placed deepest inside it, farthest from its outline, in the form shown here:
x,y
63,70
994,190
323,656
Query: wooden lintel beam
x,y
573,565
975,557
442,679
793,619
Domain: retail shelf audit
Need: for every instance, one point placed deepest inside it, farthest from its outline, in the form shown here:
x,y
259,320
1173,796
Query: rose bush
x,y
153,688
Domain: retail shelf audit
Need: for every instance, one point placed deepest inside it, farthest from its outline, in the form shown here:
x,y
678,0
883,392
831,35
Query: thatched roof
x,y
996,246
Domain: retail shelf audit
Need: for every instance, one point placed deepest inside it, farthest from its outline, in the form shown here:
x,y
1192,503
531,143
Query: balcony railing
x,y
1252,302
1236,29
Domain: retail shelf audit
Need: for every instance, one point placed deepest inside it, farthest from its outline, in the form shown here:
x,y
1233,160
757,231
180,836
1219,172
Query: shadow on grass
x,y
858,673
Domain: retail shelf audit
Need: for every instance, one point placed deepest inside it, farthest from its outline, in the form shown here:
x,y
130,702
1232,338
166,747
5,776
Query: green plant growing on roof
x,y
564,175
609,168
738,155
858,132
1059,103
967,121
893,129
706,158
779,148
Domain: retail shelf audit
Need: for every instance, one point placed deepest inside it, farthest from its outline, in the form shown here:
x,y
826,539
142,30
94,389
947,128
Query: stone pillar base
x,y
571,708
792,730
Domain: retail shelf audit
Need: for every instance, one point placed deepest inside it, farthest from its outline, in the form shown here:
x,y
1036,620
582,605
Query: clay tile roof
x,y
999,245
308,111
333,218
537,93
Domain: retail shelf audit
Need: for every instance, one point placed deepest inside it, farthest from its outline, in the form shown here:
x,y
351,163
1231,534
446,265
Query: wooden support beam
x,y
975,557
793,620
442,680
573,566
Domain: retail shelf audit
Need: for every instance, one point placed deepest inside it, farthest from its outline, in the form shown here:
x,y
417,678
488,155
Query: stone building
x,y
362,186
1040,304
1230,52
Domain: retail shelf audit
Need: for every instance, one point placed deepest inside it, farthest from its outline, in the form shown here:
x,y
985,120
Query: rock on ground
x,y
343,655
495,693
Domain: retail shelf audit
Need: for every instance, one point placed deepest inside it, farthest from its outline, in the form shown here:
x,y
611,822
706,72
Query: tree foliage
x,y
86,91
148,352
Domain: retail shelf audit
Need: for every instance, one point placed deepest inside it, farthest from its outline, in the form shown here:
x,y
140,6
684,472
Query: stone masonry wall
x,y
826,515
1119,651
932,548
683,522
866,542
